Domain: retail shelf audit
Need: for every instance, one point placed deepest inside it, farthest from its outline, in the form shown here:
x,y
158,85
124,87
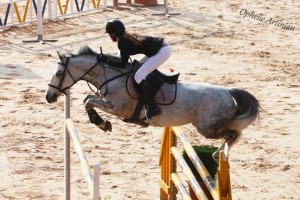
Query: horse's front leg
x,y
92,101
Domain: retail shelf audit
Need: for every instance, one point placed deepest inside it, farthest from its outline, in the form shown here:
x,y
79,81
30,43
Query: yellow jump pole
x,y
17,12
209,182
178,183
67,4
94,3
26,9
60,8
188,174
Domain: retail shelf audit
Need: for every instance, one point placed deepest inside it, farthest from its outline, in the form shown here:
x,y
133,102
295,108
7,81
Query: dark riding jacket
x,y
149,47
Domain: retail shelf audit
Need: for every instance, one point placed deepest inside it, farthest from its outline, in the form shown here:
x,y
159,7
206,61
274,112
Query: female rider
x,y
156,51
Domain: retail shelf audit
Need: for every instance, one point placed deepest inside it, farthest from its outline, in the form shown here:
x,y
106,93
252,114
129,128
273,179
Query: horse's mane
x,y
87,51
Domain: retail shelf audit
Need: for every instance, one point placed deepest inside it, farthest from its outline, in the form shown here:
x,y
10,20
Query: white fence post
x,y
67,172
40,20
96,193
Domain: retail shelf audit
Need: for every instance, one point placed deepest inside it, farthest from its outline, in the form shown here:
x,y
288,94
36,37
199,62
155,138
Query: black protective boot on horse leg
x,y
98,121
152,108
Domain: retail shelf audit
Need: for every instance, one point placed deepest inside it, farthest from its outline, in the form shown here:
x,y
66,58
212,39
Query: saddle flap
x,y
163,85
168,78
164,95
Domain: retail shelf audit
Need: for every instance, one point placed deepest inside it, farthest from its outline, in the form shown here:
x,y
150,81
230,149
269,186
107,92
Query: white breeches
x,y
152,63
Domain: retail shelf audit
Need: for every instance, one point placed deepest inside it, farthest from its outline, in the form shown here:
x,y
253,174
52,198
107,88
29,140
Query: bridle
x,y
66,70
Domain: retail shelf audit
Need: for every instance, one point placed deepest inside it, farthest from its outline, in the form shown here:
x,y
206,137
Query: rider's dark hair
x,y
135,38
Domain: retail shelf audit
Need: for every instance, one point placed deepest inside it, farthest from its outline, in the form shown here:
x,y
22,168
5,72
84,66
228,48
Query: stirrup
x,y
151,113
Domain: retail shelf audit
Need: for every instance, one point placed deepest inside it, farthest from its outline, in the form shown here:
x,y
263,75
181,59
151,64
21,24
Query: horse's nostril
x,y
48,98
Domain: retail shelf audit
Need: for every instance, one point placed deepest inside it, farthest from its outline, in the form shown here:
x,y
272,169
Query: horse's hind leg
x,y
94,116
230,137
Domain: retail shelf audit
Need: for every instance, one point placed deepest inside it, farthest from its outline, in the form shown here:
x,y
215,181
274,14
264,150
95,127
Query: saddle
x,y
163,86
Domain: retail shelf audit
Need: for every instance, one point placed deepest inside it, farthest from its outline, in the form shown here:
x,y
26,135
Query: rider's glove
x,y
104,58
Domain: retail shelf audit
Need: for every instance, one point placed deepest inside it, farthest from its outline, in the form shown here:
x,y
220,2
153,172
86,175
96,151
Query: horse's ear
x,y
61,56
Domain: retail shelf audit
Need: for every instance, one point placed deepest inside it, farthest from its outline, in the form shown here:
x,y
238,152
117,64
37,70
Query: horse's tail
x,y
248,108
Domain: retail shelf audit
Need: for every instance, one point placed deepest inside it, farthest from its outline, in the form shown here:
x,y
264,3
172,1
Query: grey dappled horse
x,y
217,112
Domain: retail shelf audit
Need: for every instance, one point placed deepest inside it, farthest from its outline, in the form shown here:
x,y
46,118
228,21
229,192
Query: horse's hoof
x,y
108,126
105,126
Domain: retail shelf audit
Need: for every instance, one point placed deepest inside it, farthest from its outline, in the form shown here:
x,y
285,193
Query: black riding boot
x,y
153,109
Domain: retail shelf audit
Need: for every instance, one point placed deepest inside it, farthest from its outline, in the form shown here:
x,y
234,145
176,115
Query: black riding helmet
x,y
116,27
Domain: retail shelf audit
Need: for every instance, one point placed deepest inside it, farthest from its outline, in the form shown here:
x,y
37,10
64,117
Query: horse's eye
x,y
58,73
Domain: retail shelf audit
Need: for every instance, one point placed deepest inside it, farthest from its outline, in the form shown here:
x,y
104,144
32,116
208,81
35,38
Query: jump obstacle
x,y
170,182
92,179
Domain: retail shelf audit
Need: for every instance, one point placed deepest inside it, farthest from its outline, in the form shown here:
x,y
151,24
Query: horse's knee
x,y
87,98
88,104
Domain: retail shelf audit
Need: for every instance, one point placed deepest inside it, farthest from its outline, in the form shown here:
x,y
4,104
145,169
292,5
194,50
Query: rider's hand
x,y
104,58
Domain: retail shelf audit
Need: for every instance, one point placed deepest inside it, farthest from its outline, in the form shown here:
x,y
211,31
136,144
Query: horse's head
x,y
81,66
61,80
86,65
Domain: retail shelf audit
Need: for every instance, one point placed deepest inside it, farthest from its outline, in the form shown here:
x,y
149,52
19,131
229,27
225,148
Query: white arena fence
x,y
20,12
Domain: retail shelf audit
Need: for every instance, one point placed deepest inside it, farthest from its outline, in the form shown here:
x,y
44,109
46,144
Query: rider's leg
x,y
143,59
153,109
150,65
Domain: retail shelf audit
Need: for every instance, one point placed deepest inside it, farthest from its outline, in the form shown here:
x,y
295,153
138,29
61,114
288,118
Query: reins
x,y
111,79
99,90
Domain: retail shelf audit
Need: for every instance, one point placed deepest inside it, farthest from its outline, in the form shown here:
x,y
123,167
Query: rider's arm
x,y
117,62
124,47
